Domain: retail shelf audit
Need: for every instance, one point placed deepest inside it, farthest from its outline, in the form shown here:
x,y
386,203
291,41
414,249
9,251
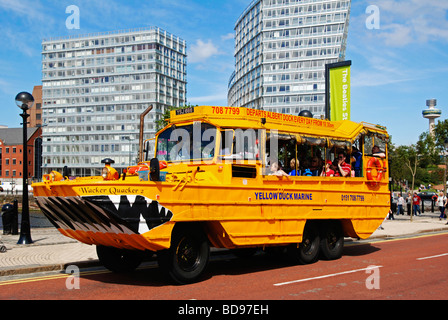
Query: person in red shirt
x,y
327,171
344,169
416,203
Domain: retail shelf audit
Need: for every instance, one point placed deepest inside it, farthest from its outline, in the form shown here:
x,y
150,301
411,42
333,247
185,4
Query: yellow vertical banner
x,y
340,93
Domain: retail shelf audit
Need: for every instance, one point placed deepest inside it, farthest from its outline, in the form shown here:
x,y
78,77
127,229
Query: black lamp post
x,y
25,101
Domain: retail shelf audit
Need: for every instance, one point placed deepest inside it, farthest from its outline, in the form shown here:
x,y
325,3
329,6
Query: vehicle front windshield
x,y
186,143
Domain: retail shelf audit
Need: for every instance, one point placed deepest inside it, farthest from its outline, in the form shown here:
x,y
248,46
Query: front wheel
x,y
188,256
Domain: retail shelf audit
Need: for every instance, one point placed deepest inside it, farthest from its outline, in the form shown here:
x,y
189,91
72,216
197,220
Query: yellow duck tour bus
x,y
232,178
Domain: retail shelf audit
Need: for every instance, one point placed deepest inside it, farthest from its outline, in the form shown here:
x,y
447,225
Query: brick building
x,y
35,112
11,154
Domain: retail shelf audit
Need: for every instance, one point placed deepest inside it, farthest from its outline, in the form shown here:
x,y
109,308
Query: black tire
x,y
188,256
307,251
119,260
332,240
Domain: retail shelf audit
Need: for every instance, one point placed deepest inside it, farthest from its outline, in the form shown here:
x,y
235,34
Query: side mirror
x,y
146,150
154,170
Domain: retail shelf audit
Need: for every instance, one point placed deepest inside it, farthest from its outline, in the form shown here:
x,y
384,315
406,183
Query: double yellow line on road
x,y
50,277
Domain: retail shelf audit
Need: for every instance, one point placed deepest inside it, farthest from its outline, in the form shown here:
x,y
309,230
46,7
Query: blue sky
x,y
395,68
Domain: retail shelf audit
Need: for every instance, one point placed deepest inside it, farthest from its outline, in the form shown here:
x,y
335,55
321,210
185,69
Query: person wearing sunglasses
x,y
343,168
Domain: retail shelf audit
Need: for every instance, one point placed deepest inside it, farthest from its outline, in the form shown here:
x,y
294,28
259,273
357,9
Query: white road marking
x,y
326,276
431,257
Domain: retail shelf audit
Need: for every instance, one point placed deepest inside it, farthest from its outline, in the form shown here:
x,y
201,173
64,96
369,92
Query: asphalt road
x,y
413,268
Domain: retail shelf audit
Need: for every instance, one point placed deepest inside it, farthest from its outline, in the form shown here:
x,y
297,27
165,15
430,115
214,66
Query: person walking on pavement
x,y
446,205
441,202
409,203
416,203
400,204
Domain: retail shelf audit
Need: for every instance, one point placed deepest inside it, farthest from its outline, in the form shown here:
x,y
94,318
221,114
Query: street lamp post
x,y
25,101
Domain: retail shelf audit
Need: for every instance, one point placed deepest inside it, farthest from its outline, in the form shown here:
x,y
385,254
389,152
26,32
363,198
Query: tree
x,y
441,133
428,150
398,172
409,156
162,123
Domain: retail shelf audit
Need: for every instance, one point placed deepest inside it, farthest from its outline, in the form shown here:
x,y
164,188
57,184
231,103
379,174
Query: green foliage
x,y
162,123
427,150
424,157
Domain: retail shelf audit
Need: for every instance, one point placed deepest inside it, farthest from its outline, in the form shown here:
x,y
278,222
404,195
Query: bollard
x,y
7,213
10,218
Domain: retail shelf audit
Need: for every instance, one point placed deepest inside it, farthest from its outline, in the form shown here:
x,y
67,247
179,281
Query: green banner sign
x,y
340,93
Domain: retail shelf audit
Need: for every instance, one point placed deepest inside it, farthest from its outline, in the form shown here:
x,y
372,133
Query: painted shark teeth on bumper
x,y
112,220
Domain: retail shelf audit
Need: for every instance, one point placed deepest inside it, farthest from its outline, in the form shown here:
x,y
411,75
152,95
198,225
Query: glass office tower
x,y
281,48
96,86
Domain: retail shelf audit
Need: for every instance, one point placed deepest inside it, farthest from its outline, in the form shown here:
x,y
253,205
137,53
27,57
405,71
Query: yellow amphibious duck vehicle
x,y
231,178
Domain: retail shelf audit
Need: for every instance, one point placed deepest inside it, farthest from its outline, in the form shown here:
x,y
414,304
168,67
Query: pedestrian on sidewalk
x,y
441,202
391,215
409,203
400,205
416,203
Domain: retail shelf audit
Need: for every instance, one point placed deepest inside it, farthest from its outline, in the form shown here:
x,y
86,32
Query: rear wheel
x,y
308,250
332,240
188,256
119,260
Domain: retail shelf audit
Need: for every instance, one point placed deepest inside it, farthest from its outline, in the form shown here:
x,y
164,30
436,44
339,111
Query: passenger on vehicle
x,y
327,171
376,152
276,171
292,165
343,169
316,164
358,158
306,171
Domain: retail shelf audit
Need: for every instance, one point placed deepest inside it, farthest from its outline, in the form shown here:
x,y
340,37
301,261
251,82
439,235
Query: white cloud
x,y
201,51
397,35
396,53
229,36
27,10
406,22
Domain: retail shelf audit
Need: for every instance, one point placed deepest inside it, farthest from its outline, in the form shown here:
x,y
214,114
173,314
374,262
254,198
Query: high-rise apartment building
x,y
96,86
281,49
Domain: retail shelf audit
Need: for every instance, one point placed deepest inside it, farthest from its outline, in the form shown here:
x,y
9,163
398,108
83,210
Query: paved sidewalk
x,y
49,251
53,251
